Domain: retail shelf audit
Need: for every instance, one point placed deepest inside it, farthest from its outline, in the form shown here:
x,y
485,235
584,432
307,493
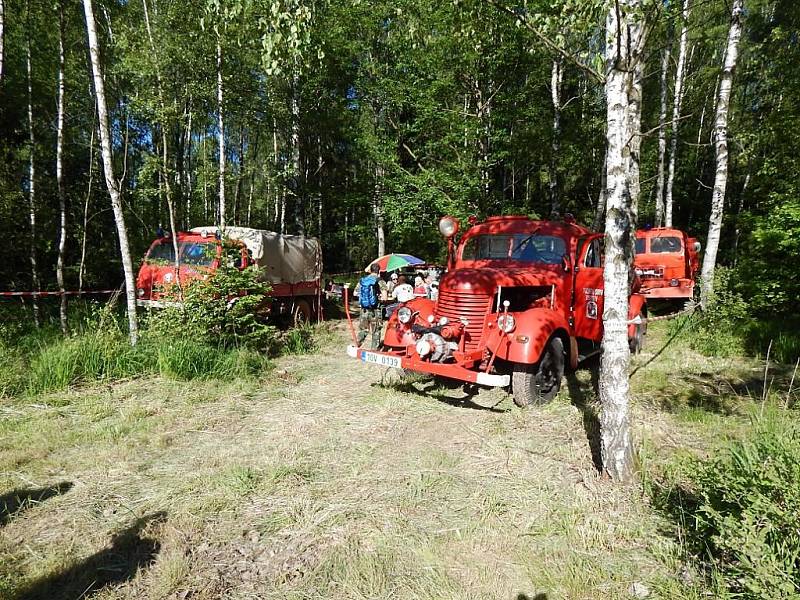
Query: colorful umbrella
x,y
392,262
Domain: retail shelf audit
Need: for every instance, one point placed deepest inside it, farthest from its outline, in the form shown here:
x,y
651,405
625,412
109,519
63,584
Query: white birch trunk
x,y
556,77
164,150
721,147
108,169
296,167
378,210
62,194
676,112
662,136
600,209
82,266
32,184
221,127
623,32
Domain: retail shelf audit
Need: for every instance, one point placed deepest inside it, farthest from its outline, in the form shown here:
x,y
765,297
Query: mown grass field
x,y
316,481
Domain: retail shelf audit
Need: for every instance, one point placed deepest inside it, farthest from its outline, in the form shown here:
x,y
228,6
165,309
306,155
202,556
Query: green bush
x,y
739,511
226,309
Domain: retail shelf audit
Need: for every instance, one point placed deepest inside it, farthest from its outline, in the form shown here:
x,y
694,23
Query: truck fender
x,y
636,307
533,330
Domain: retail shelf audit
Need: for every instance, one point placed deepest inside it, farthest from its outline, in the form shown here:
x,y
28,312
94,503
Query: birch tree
x,y
108,169
721,152
221,132
62,192
32,177
662,134
623,47
556,77
2,36
677,101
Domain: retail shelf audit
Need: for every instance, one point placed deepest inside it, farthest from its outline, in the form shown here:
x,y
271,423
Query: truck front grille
x,y
459,306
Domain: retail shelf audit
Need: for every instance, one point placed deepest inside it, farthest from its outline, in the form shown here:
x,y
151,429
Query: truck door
x,y
588,296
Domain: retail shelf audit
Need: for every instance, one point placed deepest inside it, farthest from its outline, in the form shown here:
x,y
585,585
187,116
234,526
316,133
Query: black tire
x,y
302,313
537,384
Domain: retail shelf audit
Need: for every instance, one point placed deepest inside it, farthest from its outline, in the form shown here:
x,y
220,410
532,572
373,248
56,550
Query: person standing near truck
x,y
371,289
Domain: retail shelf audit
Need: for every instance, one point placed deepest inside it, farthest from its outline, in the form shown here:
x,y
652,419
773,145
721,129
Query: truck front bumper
x,y
158,304
453,371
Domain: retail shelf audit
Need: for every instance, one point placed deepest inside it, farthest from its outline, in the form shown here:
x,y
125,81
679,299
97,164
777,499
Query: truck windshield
x,y
639,245
662,245
198,253
162,253
518,246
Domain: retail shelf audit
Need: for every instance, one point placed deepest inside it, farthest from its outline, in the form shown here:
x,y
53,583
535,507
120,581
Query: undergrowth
x,y
737,512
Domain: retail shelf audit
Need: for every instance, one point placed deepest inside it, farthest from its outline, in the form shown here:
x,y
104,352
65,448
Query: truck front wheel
x,y
303,313
539,383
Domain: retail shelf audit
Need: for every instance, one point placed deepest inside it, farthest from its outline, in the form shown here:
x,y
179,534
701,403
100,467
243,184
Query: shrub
x,y
741,511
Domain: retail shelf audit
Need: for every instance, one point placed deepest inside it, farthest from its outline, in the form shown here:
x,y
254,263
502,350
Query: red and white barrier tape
x,y
66,293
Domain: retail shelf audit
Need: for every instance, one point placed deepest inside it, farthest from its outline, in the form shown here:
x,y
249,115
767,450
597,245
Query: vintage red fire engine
x,y
291,264
520,300
666,262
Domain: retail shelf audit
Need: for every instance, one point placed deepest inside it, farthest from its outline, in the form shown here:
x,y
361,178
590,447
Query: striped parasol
x,y
392,262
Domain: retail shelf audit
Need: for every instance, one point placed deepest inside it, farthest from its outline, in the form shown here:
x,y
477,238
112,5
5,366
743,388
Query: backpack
x,y
368,292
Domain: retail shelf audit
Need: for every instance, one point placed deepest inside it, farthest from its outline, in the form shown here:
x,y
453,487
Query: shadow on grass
x,y
438,389
17,501
715,394
115,564
540,596
583,396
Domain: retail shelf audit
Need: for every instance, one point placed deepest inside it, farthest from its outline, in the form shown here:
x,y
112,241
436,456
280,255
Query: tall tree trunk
x,y
221,126
296,167
62,193
721,147
676,112
108,168
32,180
81,267
556,77
239,177
320,199
600,209
377,206
662,134
163,120
623,39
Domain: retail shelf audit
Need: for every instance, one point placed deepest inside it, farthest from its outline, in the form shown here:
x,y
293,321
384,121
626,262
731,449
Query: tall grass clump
x,y
738,511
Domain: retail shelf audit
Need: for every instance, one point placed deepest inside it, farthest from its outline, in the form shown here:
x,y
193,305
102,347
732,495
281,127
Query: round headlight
x,y
404,315
448,226
140,292
423,347
506,323
443,321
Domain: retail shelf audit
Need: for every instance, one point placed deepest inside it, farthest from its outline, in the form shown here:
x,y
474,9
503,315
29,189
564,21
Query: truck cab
x,y
667,263
200,255
521,300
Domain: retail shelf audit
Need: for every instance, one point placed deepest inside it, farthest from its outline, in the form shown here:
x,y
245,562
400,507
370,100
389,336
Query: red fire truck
x,y
666,262
521,300
291,264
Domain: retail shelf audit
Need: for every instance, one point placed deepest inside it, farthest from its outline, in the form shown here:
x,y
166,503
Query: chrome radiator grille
x,y
464,306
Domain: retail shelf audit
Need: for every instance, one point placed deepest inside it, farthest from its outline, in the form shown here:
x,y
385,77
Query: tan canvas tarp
x,y
281,258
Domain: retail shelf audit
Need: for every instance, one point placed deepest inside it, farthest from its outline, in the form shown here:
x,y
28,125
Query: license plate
x,y
381,359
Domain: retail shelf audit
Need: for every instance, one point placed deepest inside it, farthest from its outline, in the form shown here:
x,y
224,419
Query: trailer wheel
x,y
302,313
539,383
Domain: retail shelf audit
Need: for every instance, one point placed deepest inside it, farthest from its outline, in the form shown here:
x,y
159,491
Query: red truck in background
x,y
667,262
291,264
521,300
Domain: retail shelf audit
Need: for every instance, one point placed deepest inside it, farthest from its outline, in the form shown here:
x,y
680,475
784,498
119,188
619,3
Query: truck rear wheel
x,y
539,383
302,313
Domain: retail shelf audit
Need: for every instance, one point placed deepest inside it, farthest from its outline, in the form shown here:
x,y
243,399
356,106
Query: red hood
x,y
485,281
